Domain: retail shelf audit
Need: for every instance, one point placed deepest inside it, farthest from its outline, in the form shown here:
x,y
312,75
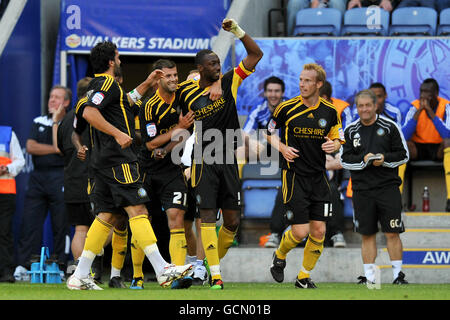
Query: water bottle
x,y
426,200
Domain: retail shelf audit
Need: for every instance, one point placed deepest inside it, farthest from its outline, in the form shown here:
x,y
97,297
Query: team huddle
x,y
132,175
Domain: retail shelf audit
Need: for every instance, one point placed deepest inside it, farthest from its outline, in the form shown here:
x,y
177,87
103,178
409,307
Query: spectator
x,y
260,116
438,5
427,129
294,6
42,196
384,107
387,5
11,163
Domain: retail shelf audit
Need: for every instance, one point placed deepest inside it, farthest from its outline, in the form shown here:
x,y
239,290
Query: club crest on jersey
x,y
380,132
289,215
98,98
272,125
322,122
142,193
151,129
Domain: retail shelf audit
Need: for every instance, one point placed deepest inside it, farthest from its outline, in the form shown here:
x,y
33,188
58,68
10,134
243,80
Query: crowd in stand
x,y
293,6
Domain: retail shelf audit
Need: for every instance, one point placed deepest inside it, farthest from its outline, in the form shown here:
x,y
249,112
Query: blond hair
x,y
321,75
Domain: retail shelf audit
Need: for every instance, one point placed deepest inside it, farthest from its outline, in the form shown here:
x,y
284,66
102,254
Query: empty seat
x,y
413,21
366,21
259,191
318,21
444,23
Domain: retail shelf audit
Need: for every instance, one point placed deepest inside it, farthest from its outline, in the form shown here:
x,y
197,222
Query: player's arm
x,y
79,125
289,153
335,137
333,162
254,52
215,91
81,149
96,119
184,123
151,82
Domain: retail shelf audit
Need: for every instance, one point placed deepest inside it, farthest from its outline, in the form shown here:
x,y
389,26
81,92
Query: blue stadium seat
x,y
366,21
318,21
413,21
444,23
259,191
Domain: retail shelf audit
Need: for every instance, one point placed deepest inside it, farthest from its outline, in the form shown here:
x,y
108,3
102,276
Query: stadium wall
x,y
20,83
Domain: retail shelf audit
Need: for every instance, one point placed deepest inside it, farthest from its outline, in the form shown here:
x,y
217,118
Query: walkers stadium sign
x,y
141,26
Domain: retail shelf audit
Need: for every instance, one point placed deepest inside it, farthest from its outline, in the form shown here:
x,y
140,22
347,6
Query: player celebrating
x,y
217,185
116,172
310,128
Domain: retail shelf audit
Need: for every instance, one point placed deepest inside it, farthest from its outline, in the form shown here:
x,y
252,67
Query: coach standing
x,y
45,188
374,149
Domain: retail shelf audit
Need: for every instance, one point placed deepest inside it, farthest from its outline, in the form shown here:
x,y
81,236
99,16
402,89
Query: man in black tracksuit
x,y
373,150
45,191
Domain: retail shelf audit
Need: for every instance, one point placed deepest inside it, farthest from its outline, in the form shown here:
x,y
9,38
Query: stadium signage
x,y
87,42
183,28
427,257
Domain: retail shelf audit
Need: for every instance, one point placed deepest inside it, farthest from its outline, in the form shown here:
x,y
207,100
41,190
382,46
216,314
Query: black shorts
x,y
192,211
216,185
117,187
167,190
381,205
427,151
80,214
306,198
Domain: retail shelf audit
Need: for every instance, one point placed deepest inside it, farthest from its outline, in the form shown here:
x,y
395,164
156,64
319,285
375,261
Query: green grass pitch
x,y
232,291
